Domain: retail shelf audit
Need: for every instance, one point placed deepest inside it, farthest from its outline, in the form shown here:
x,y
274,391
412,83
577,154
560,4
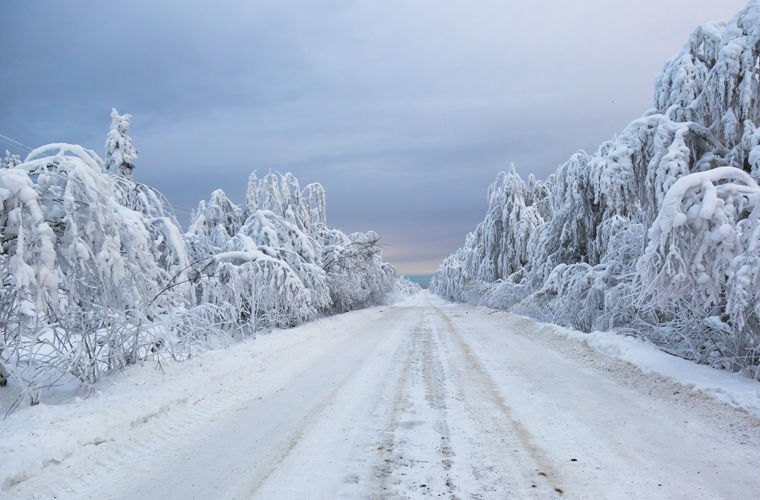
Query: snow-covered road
x,y
419,399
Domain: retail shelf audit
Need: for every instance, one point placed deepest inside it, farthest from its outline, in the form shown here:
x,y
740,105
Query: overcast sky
x,y
404,110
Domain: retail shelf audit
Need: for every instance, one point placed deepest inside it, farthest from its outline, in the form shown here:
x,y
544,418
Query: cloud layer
x,y
404,110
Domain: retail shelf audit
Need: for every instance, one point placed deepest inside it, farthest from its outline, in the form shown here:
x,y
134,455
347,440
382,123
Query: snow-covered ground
x,y
423,398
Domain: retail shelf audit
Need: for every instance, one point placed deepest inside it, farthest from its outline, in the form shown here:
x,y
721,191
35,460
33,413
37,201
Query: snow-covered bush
x,y
78,265
700,268
656,232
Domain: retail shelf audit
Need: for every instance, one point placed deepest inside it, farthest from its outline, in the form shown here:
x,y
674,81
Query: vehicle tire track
x,y
420,392
481,389
436,396
389,459
315,413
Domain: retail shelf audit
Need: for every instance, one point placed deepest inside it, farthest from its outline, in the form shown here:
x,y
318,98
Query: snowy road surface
x,y
420,399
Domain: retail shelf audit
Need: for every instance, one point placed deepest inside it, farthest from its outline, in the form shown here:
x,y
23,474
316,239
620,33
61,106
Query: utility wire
x,y
15,143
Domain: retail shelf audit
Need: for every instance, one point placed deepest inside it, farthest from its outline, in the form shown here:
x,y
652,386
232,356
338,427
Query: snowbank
x,y
732,388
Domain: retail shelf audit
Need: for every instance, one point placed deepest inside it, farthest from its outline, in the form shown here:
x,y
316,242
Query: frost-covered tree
x,y
280,241
10,160
655,232
81,269
251,195
96,273
121,156
355,272
699,272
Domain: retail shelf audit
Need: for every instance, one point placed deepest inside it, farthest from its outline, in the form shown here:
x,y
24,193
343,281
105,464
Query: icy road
x,y
420,399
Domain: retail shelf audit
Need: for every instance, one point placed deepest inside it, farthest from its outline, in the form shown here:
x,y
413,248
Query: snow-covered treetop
x,y
121,156
715,78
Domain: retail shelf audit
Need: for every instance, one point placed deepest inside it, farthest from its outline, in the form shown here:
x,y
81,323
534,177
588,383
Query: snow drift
x,y
658,232
97,274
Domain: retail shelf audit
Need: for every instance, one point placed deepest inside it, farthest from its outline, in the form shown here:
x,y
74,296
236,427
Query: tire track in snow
x,y
314,414
436,396
417,455
390,458
480,389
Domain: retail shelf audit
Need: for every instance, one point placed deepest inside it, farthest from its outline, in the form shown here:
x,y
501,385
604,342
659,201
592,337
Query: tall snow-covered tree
x,y
584,257
121,156
81,269
699,272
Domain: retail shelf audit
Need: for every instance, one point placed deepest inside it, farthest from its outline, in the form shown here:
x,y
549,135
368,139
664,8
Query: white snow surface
x,y
423,398
732,388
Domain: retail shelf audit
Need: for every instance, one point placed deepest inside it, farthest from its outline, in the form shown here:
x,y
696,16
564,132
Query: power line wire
x,y
15,143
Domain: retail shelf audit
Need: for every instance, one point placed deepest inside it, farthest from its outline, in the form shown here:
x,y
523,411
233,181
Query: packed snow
x,y
423,398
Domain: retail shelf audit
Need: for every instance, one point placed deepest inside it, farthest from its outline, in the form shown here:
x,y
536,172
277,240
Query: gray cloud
x,y
404,110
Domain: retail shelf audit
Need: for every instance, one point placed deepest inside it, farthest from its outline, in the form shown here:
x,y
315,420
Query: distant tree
x,y
121,156
10,160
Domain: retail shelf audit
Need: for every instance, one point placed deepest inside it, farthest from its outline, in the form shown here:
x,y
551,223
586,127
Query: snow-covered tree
x,y
81,269
252,195
576,250
280,242
699,270
121,156
10,160
96,273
